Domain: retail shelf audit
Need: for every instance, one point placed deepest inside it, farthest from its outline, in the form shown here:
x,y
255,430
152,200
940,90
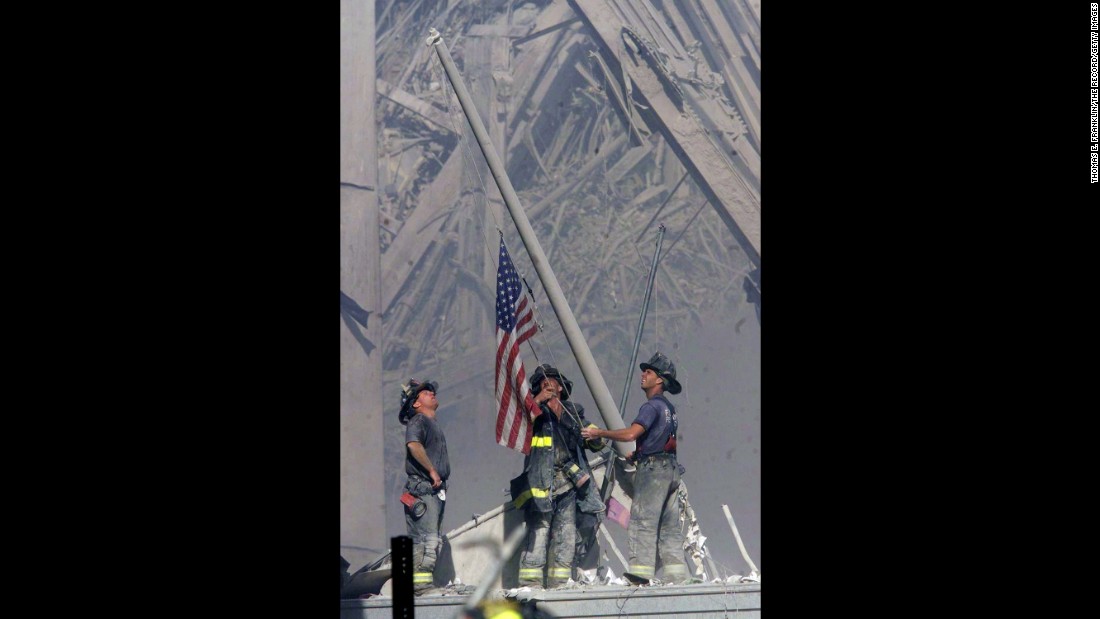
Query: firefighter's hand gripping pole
x,y
596,385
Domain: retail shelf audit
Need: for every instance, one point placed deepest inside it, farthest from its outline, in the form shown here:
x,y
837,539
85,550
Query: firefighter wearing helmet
x,y
654,529
555,486
428,467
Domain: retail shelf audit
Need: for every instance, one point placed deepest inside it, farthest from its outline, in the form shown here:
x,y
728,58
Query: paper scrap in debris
x,y
617,512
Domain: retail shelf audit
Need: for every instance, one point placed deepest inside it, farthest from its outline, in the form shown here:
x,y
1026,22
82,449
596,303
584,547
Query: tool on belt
x,y
416,487
415,505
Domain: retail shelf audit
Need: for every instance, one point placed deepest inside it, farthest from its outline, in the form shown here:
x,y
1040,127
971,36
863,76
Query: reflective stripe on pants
x,y
543,529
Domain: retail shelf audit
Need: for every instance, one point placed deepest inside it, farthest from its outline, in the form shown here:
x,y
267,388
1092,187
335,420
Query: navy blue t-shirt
x,y
658,417
425,431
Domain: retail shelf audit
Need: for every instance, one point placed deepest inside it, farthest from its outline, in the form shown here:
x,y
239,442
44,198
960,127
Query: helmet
x,y
409,391
545,370
663,367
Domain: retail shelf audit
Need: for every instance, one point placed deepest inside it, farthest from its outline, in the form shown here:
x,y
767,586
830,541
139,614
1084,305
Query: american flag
x,y
515,325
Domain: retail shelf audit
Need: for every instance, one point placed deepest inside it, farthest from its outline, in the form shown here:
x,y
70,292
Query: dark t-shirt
x,y
658,417
425,431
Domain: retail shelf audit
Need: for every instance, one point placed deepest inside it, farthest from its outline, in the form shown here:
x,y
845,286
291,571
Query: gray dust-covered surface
x,y
595,196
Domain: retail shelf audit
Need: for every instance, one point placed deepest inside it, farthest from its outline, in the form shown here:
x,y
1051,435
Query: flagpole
x,y
641,319
596,385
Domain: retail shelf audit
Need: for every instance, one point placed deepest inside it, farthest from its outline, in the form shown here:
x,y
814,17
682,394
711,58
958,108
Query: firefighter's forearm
x,y
622,434
421,456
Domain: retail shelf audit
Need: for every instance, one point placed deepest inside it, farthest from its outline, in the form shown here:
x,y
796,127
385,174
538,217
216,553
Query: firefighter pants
x,y
424,532
587,525
655,531
545,529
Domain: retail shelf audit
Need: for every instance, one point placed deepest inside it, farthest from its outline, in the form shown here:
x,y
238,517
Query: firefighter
x,y
556,482
654,529
427,466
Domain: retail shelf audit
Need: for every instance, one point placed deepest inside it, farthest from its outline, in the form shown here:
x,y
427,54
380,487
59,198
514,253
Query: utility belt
x,y
669,450
665,455
660,455
418,485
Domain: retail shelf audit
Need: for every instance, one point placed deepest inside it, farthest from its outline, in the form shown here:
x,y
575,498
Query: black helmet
x,y
545,370
664,368
409,391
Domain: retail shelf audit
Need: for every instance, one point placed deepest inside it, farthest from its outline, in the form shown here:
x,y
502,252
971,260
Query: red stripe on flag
x,y
519,419
512,422
503,400
516,407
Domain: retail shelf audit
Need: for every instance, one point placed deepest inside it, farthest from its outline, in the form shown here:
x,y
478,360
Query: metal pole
x,y
596,385
510,546
641,319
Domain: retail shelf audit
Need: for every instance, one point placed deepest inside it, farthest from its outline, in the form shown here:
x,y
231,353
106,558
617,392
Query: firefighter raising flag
x,y
515,324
